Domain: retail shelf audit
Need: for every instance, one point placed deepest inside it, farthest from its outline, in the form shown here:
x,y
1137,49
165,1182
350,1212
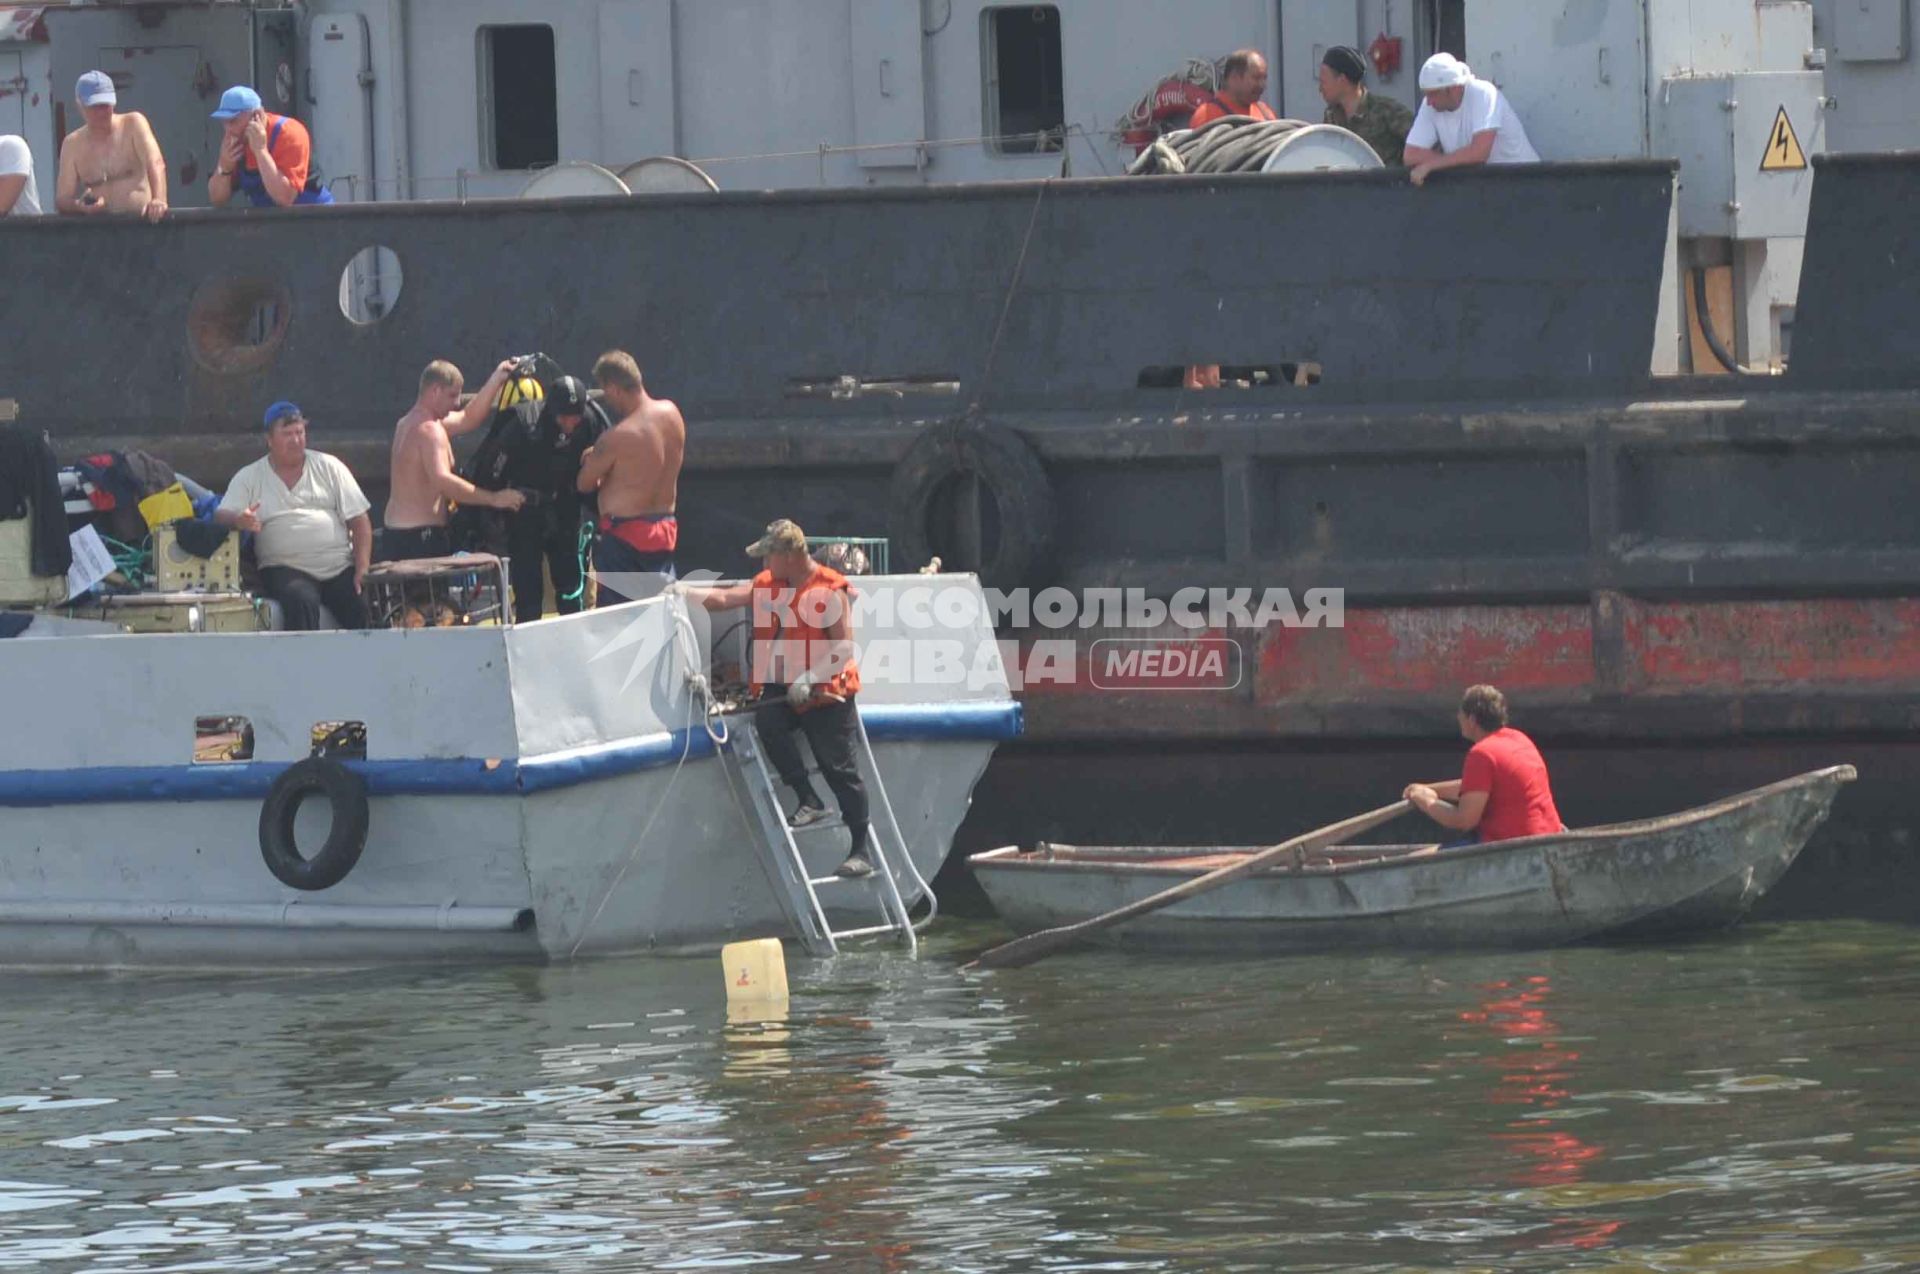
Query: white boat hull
x,y
543,808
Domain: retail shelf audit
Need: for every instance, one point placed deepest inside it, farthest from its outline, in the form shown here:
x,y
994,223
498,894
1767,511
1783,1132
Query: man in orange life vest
x,y
1502,791
803,658
1243,85
266,157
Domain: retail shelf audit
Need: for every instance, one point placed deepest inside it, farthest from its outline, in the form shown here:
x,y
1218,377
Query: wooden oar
x,y
1038,946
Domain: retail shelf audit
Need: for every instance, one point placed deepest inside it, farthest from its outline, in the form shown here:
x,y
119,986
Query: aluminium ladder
x,y
797,891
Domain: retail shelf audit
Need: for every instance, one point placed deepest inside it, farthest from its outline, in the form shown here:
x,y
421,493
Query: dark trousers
x,y
301,595
834,735
644,575
531,541
401,544
527,555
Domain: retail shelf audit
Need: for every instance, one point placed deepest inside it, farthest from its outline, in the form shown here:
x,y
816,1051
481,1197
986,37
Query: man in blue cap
x,y
112,163
264,156
314,538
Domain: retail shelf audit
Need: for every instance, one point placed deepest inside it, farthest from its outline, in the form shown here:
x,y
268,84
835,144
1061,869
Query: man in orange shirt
x,y
1243,83
263,156
1502,791
803,658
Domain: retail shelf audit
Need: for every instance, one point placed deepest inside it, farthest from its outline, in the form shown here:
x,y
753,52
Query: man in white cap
x,y
112,163
1463,120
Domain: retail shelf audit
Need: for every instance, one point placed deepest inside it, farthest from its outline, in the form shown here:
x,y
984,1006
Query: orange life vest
x,y
1220,106
790,632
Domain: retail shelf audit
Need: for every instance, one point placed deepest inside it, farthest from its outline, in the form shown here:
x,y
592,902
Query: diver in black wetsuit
x,y
549,528
534,445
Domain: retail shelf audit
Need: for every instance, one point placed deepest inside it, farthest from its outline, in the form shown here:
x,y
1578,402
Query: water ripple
x,y
1732,1105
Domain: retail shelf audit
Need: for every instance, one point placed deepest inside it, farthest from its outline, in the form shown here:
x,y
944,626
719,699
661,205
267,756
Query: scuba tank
x,y
504,456
510,430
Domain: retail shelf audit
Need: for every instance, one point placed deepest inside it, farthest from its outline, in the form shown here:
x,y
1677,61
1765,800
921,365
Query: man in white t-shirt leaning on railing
x,y
1463,120
313,538
19,197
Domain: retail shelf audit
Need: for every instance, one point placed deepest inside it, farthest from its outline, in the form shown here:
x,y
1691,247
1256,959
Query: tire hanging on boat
x,y
1020,544
346,795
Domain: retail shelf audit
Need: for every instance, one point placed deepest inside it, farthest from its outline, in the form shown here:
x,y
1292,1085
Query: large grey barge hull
x,y
1483,464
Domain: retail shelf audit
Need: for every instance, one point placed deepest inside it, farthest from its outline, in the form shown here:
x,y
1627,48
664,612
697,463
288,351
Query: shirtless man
x,y
422,480
635,468
112,163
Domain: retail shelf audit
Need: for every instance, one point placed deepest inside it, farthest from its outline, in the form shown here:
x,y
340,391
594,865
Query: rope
x,y
129,559
1006,306
583,552
698,687
1232,143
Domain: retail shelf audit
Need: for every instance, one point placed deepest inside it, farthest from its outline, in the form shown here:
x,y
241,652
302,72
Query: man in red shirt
x,y
1243,83
1502,791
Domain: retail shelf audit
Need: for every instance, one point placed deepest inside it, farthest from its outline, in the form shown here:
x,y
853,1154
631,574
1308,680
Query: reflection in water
x,y
1534,1072
835,1115
1736,1105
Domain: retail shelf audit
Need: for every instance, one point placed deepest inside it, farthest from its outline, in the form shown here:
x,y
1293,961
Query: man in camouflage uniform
x,y
1380,121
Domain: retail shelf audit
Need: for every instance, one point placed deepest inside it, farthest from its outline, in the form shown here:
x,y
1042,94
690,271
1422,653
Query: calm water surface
x,y
1740,1104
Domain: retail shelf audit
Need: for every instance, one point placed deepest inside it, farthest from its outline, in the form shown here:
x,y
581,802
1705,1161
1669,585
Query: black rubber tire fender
x,y
346,795
1011,473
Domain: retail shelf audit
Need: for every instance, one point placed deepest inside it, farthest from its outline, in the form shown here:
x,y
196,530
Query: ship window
x,y
218,740
236,325
850,386
1026,110
1301,375
340,740
1445,23
370,286
519,97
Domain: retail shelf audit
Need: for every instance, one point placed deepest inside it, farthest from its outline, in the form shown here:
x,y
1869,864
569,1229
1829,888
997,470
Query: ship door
x,y
1308,28
889,92
340,104
639,102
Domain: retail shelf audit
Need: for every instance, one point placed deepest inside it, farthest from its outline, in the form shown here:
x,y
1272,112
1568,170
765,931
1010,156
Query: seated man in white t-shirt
x,y
19,197
313,538
1463,120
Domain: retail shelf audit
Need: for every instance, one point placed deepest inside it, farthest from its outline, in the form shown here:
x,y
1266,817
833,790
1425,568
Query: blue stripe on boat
x,y
469,776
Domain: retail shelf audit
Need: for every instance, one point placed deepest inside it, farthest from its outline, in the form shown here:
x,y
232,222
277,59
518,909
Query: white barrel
x,y
1320,148
667,175
563,181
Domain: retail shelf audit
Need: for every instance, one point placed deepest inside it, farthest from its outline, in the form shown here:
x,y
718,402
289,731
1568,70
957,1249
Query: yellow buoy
x,y
756,972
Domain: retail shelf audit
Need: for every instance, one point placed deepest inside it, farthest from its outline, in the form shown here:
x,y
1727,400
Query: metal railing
x,y
1045,143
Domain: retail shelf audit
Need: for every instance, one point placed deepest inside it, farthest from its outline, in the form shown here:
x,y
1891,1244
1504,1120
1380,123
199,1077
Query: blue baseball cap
x,y
280,412
237,100
96,89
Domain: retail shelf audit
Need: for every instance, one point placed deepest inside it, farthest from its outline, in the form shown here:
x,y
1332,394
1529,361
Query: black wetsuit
x,y
548,528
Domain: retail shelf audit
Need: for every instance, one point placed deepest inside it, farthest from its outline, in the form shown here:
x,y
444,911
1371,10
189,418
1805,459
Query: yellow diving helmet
x,y
521,387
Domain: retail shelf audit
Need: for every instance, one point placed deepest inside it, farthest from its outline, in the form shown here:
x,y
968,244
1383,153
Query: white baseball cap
x,y
1443,70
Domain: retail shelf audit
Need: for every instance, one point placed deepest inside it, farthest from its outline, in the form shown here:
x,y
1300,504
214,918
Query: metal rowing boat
x,y
1690,872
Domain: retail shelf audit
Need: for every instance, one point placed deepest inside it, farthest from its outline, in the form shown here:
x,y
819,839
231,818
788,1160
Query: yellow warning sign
x,y
1783,147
